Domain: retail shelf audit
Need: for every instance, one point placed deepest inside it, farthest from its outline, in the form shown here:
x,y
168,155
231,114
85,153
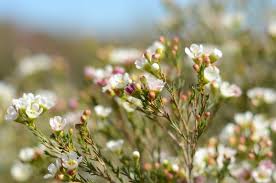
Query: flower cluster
x,y
28,107
250,135
260,96
64,166
208,73
216,159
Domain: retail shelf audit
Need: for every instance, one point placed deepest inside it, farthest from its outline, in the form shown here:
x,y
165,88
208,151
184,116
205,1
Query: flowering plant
x,y
149,104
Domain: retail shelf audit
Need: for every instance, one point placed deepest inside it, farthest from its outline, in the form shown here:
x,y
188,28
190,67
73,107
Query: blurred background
x,y
79,33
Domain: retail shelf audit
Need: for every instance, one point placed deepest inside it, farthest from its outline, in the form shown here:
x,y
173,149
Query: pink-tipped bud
x,y
162,39
176,40
207,114
152,95
118,70
156,56
87,112
196,67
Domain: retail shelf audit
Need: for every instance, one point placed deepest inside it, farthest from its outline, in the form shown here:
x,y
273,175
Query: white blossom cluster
x,y
69,162
210,160
28,107
211,73
260,95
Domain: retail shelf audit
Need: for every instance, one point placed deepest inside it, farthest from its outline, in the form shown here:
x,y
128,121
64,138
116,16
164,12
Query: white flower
x,y
244,119
71,160
229,90
124,55
154,84
102,111
194,51
117,81
154,47
225,154
32,106
259,95
53,168
115,145
27,154
33,110
34,64
21,172
58,123
141,63
217,53
11,114
262,174
47,98
211,74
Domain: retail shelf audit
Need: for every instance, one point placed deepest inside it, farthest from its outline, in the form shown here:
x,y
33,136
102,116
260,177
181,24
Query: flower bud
x,y
147,166
196,67
197,117
251,156
156,56
60,177
165,163
155,67
207,114
152,95
162,39
206,59
87,112
157,165
136,155
174,52
138,86
118,70
184,97
176,40
270,154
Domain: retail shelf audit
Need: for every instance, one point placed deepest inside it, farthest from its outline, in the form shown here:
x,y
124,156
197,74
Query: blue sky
x,y
82,16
